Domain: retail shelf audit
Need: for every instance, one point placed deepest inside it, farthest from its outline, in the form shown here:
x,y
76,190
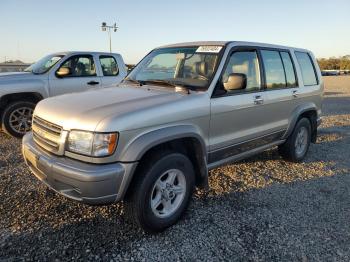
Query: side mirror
x,y
63,71
235,81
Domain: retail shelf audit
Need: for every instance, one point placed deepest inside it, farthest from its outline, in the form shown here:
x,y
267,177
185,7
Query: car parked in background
x,y
55,74
331,72
183,110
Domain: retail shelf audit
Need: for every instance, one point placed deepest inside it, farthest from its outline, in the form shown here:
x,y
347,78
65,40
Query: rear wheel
x,y
17,118
161,192
297,144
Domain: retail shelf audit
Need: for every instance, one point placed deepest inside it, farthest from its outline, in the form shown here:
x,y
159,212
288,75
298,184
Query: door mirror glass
x,y
235,81
63,71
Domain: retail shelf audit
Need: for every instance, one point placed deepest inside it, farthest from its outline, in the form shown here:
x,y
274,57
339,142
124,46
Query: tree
x,y
333,63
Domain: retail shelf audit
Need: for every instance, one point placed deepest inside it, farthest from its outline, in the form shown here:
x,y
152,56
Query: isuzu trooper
x,y
182,111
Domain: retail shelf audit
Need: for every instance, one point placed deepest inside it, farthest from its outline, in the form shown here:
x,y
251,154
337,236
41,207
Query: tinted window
x,y
289,69
80,66
245,62
307,69
274,71
109,66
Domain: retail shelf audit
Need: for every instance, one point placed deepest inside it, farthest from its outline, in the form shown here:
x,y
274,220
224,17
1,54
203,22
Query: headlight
x,y
92,144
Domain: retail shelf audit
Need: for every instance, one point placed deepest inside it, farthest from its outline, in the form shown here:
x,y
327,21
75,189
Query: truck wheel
x,y
161,192
17,118
297,144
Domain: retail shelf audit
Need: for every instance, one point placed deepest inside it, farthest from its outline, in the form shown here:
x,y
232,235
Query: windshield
x,y
44,64
191,67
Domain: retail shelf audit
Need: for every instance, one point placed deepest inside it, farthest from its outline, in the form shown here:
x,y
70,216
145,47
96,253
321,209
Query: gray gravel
x,y
260,209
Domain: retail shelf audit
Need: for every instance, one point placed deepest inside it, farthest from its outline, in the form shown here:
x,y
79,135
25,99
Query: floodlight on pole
x,y
108,28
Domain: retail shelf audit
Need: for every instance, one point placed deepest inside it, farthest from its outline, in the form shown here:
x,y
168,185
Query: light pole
x,y
108,28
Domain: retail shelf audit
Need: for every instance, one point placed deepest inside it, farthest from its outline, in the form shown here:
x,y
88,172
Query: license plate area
x,y
32,158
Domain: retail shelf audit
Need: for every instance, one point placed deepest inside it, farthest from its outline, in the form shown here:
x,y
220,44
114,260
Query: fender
x,y
139,146
296,114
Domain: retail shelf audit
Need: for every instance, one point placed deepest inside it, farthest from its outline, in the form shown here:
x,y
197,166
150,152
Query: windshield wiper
x,y
170,83
159,82
151,81
139,82
163,82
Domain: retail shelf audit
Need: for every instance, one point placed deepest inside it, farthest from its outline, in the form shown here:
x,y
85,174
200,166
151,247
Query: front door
x,y
238,117
82,76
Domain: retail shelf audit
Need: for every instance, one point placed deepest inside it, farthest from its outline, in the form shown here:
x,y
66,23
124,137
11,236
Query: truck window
x,y
109,66
274,71
289,69
80,65
307,68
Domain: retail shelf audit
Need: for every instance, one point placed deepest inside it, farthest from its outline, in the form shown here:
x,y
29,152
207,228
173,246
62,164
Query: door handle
x,y
92,83
295,93
258,100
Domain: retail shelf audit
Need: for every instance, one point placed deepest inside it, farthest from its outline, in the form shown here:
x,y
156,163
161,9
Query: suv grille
x,y
46,134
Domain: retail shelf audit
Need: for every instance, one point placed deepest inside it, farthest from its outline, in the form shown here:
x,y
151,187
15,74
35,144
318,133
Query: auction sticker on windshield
x,y
209,49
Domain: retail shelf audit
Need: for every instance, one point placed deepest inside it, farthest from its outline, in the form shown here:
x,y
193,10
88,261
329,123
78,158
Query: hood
x,y
13,78
14,74
87,109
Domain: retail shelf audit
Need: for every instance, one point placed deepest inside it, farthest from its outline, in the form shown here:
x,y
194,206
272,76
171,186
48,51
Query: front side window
x,y
109,66
80,66
247,64
274,71
184,66
307,68
44,64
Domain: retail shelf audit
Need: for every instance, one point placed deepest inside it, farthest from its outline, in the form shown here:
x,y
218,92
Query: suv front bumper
x,y
89,183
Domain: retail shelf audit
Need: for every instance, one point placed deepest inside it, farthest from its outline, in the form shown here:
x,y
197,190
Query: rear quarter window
x,y
307,68
289,69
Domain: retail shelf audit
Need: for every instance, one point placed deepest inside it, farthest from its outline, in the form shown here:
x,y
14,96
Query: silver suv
x,y
183,110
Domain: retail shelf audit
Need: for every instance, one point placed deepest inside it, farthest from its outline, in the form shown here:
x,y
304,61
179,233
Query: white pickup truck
x,y
55,74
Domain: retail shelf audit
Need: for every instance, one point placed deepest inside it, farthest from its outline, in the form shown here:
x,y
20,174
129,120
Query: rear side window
x,y
289,69
274,71
109,66
307,68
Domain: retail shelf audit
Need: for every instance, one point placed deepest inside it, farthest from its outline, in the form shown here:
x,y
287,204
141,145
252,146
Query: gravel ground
x,y
260,209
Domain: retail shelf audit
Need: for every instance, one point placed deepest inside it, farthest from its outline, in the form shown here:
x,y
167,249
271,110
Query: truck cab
x,y
55,74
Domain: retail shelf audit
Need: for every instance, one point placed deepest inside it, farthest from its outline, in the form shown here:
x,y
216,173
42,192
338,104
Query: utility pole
x,y
108,28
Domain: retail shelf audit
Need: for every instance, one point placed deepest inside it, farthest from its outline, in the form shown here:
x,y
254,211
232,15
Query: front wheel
x,y
17,118
161,192
297,144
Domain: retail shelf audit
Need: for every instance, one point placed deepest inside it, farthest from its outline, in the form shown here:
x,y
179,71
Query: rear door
x,y
237,117
112,72
281,88
82,77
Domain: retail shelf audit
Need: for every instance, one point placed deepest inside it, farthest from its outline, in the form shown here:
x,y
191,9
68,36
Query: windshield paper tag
x,y
209,49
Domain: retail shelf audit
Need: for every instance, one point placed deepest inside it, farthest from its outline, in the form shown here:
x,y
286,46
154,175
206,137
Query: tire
x,y
295,148
23,111
145,191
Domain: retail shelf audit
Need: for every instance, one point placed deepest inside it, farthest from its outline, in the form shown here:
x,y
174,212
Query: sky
x,y
31,29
